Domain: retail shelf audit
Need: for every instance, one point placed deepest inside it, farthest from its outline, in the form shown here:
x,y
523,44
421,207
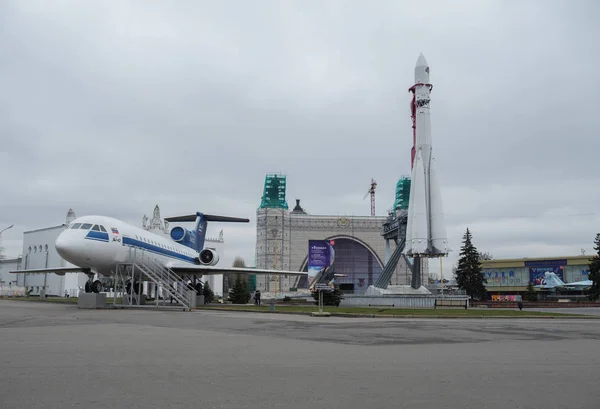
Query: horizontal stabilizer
x,y
215,218
208,218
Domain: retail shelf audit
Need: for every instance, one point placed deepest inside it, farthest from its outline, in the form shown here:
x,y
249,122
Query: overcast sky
x,y
112,107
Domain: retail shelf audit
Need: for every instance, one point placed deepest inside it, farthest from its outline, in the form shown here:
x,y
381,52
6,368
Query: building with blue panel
x,y
511,276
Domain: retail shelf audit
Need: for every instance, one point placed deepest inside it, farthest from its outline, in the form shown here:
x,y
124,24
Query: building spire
x,y
70,217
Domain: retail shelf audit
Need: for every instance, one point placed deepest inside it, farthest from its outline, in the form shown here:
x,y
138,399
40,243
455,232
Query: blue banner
x,y
545,263
537,275
320,256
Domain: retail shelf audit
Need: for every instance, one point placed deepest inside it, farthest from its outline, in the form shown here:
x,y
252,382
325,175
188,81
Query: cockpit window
x,y
103,229
96,228
76,226
86,226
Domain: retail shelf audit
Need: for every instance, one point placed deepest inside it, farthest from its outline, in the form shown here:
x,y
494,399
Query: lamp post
x,y
46,274
3,230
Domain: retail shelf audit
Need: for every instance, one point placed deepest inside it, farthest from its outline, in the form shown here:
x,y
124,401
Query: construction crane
x,y
371,191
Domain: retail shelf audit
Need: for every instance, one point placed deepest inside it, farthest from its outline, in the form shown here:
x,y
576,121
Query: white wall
x,y
6,266
39,252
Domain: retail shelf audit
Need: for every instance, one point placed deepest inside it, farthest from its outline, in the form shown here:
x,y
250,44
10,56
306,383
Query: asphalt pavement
x,y
61,357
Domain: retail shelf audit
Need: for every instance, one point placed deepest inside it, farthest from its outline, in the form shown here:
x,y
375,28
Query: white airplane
x,y
553,282
96,244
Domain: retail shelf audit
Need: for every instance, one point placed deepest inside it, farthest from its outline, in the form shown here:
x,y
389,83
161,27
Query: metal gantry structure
x,y
394,229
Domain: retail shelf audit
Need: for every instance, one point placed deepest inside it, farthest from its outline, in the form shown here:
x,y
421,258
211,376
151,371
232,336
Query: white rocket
x,y
425,230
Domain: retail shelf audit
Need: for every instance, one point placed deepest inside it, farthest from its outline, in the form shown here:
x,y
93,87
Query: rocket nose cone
x,y
422,70
421,61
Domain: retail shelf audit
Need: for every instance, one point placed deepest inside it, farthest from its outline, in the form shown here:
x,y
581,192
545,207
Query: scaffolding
x,y
402,193
274,192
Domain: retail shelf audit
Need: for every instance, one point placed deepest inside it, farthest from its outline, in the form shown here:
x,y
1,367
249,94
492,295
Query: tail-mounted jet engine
x,y
208,257
183,236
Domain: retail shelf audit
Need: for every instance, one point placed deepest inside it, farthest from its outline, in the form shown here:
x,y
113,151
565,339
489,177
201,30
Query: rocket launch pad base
x,y
400,290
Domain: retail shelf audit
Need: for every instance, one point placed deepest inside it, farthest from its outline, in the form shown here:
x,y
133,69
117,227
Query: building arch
x,y
304,265
355,258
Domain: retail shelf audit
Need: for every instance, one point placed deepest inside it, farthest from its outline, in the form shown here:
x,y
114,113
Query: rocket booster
x,y
425,230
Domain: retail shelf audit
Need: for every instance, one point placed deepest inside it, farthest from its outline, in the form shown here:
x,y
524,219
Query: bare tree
x,y
229,279
239,262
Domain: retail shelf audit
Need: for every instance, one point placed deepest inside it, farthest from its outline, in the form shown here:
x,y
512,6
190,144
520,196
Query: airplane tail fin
x,y
552,280
195,239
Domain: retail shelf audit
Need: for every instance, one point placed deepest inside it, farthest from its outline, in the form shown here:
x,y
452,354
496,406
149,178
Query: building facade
x,y
282,244
39,252
511,276
7,265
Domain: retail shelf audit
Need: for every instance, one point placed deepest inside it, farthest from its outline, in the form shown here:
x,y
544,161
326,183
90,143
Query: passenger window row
x,y
97,227
164,246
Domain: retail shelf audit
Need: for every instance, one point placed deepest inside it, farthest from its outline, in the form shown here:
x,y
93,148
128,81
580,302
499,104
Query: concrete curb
x,y
353,315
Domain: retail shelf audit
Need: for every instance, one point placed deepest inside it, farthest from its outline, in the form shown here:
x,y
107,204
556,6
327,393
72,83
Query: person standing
x,y
257,297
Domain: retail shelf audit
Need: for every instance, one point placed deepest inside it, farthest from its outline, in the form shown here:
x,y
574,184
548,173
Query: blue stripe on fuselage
x,y
128,241
97,235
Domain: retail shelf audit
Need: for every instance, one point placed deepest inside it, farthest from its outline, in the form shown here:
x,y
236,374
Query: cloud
x,y
111,108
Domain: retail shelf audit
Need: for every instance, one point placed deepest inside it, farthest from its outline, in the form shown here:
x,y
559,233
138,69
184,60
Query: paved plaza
x,y
59,356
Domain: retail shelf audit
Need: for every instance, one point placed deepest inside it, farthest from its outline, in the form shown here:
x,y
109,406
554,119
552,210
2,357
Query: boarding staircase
x,y
166,279
388,270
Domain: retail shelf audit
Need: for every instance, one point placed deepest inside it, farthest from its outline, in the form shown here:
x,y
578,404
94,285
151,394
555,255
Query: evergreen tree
x,y
334,297
530,295
594,292
469,276
240,293
229,278
208,293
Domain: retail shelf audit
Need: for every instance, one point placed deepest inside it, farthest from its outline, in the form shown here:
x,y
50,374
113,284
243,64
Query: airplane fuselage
x,y
100,243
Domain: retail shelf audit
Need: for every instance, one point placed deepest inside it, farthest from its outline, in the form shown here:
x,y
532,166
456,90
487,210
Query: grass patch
x,y
379,311
350,311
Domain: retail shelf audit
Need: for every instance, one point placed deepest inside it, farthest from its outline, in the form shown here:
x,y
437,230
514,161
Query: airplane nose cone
x,y
60,245
62,248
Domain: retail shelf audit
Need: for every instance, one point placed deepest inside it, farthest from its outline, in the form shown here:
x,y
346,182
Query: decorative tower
x,y
402,195
70,217
272,233
156,224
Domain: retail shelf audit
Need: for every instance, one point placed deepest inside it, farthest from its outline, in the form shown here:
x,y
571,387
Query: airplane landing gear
x,y
93,286
97,286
